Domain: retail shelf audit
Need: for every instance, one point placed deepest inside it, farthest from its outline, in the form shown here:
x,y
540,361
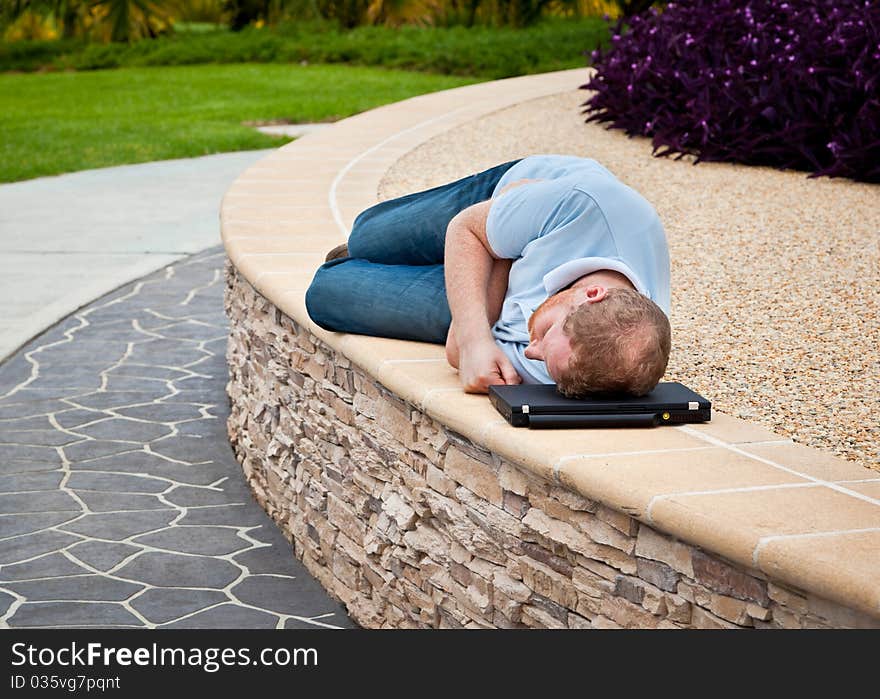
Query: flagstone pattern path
x,y
121,503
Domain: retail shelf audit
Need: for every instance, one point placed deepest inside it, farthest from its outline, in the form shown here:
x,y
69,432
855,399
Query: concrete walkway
x,y
63,241
121,502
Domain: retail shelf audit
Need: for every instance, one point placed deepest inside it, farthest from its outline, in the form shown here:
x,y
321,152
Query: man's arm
x,y
468,267
498,279
498,276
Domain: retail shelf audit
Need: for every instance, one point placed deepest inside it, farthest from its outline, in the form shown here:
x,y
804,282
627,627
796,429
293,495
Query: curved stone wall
x,y
411,524
416,504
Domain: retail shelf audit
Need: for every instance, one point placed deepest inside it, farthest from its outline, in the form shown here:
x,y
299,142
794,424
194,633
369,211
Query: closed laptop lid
x,y
545,399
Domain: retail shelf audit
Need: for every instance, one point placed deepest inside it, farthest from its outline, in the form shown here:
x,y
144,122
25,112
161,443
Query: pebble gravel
x,y
776,276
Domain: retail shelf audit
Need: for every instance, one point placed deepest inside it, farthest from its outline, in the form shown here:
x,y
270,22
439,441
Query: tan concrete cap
x,y
799,515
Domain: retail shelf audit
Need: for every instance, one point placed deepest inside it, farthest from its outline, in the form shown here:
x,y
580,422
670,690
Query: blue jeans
x,y
392,285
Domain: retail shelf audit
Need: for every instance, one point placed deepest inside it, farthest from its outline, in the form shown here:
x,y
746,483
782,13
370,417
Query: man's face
x,y
549,343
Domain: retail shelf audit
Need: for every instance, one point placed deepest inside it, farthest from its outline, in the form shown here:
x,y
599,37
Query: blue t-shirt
x,y
578,219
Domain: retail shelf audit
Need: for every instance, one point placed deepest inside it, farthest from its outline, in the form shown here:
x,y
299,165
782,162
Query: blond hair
x,y
619,345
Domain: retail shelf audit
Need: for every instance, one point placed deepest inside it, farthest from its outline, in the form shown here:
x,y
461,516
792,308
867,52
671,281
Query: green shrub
x,y
477,51
33,55
790,85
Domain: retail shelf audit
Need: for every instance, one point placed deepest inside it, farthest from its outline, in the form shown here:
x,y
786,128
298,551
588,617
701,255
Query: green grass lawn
x,y
61,122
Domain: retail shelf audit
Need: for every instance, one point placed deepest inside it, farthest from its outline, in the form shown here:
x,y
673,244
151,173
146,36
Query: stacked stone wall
x,y
410,524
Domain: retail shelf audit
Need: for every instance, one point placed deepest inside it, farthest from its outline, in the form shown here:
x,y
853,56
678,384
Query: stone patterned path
x,y
121,503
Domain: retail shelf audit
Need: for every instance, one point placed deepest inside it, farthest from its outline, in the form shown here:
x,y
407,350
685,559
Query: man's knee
x,y
323,297
380,234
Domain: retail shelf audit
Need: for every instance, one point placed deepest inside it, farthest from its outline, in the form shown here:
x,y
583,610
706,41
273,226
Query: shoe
x,y
337,252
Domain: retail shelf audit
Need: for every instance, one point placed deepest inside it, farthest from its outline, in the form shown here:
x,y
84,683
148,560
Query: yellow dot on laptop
x,y
665,416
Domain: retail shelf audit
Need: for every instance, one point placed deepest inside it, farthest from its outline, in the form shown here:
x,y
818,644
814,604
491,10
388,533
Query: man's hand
x,y
482,364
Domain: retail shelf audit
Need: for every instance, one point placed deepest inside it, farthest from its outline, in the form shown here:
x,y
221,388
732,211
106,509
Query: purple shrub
x,y
790,84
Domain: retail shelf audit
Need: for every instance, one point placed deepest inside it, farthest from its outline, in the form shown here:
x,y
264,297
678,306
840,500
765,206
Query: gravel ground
x,y
776,277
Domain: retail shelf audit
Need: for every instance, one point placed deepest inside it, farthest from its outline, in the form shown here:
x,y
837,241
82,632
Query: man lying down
x,y
541,270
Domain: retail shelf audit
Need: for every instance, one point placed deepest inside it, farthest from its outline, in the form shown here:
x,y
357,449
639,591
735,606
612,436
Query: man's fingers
x,y
490,368
509,374
493,378
481,383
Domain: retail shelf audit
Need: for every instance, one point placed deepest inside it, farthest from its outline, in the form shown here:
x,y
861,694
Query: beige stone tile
x,y
280,229
290,167
290,196
274,245
314,144
733,430
731,524
370,353
316,243
273,280
449,121
351,204
343,147
841,567
413,380
360,180
398,115
469,414
259,268
355,189
234,196
630,482
319,242
379,160
316,186
389,119
810,461
360,169
404,143
293,305
871,489
312,151
263,172
255,210
548,449
235,199
286,179
341,136
296,291
348,219
255,266
274,276
345,132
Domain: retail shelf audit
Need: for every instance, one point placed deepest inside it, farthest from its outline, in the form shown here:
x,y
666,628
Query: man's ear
x,y
594,293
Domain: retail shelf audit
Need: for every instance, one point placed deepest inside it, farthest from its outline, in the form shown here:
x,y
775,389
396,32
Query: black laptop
x,y
541,406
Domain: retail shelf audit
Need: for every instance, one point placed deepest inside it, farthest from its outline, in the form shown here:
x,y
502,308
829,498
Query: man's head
x,y
598,338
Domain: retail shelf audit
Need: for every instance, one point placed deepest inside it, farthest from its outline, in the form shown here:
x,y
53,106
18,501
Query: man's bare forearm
x,y
469,261
496,292
475,289
476,280
468,270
